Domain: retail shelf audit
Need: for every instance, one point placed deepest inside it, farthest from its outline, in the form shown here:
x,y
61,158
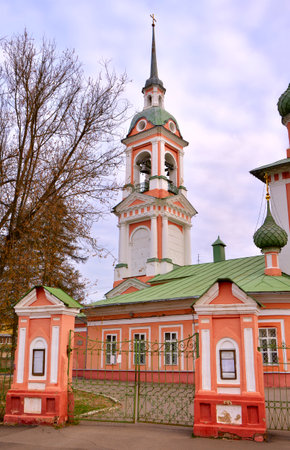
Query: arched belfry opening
x,y
142,170
149,101
170,168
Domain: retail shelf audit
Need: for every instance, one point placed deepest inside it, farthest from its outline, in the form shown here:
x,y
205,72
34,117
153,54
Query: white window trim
x,y
267,338
145,340
110,353
282,329
170,328
41,344
170,341
140,330
106,331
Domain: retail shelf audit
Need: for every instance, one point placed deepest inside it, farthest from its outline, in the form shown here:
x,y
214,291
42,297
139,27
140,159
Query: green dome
x,y
155,115
284,103
270,235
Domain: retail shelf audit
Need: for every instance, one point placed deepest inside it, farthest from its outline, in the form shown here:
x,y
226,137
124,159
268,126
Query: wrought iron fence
x,y
276,361
144,381
6,373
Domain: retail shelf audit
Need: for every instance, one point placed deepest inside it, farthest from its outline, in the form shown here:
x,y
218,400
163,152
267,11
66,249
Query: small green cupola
x,y
219,250
270,235
284,103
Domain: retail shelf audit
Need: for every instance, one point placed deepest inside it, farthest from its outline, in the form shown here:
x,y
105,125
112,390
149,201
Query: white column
x,y
123,245
128,165
153,250
249,360
164,237
181,175
187,245
154,159
54,354
205,360
21,355
162,158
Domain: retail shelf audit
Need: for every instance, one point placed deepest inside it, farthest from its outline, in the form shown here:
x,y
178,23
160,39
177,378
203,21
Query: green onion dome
x,y
284,103
270,235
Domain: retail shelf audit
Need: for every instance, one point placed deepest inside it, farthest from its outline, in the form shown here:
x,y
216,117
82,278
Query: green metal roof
x,y
260,171
155,115
193,281
59,294
63,297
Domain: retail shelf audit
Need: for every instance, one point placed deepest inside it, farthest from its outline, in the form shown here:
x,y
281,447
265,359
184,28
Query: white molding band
x,y
132,321
249,360
275,312
205,360
21,354
54,354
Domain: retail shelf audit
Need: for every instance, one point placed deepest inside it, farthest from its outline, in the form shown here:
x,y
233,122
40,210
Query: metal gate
x,y
6,373
134,381
277,384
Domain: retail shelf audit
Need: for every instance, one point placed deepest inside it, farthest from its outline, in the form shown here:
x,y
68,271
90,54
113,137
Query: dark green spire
x,y
218,250
153,80
270,235
284,103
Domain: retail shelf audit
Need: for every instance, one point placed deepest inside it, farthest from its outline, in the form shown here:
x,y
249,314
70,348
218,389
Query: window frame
x,y
222,371
33,370
172,344
269,351
139,352
112,353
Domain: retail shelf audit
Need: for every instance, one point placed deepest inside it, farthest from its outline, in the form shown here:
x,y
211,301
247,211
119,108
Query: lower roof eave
x,y
193,297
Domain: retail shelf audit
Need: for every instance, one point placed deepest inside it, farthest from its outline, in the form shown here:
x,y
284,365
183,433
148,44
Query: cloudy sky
x,y
224,64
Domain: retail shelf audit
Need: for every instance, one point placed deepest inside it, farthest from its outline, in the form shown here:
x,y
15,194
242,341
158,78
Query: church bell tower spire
x,y
153,90
154,215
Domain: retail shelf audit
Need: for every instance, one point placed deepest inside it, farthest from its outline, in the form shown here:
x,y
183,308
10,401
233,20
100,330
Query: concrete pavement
x,y
111,436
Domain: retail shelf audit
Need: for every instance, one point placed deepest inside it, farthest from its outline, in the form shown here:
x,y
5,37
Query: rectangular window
x,y
139,348
268,345
170,348
228,364
111,348
38,359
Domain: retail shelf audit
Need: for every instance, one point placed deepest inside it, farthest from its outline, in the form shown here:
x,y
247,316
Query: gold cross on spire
x,y
153,20
267,187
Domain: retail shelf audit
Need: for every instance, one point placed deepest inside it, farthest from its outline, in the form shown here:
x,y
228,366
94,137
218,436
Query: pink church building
x,y
159,296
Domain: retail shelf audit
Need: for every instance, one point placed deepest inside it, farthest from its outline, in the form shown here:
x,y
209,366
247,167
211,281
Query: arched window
x,y
38,359
139,250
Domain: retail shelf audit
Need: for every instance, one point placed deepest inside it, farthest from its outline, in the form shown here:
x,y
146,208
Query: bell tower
x,y
154,214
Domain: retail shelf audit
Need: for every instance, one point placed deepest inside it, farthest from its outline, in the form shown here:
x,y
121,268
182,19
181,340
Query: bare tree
x,y
58,155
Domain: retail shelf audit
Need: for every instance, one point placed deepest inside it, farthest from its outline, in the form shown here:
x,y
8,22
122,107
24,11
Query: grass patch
x,y
86,401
